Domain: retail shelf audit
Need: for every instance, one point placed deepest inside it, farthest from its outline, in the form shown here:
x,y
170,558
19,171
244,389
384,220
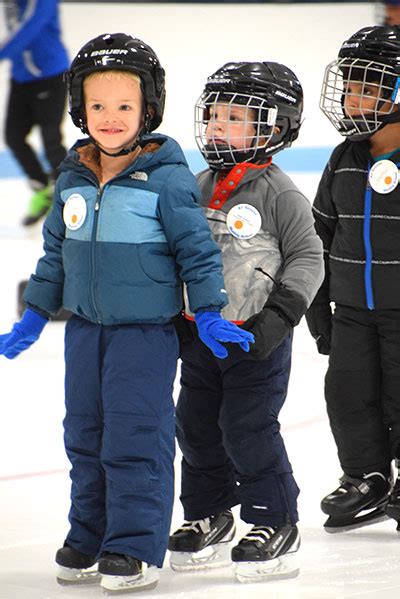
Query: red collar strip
x,y
228,183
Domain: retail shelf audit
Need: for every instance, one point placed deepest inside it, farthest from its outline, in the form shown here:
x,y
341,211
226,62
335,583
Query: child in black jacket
x,y
357,213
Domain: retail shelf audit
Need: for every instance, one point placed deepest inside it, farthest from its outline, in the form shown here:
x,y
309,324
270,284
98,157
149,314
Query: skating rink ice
x,y
34,482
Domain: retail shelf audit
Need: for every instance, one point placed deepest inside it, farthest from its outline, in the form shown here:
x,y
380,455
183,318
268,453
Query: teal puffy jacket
x,y
119,254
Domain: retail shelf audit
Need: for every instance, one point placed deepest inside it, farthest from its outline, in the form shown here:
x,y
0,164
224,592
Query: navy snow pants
x,y
229,434
119,437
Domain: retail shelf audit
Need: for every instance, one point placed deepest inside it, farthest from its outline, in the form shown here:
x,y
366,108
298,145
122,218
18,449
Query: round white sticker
x,y
383,176
243,221
74,212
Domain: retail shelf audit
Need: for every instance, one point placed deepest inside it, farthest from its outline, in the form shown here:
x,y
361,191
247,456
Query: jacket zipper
x,y
93,255
368,248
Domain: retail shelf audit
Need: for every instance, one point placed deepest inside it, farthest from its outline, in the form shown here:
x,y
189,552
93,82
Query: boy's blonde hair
x,y
112,74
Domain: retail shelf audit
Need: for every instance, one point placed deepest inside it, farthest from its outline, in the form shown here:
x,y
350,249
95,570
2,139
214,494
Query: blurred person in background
x,y
388,12
37,94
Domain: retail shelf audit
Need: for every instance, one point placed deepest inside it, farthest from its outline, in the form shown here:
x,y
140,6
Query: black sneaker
x,y
74,567
267,552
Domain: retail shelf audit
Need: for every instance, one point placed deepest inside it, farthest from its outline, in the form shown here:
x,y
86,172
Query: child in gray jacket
x,y
227,413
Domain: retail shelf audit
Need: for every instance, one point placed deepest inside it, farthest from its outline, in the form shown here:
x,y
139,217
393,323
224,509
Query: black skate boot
x,y
356,502
202,544
124,574
267,553
392,507
75,567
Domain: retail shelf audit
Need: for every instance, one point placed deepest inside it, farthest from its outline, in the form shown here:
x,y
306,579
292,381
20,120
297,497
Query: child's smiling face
x,y
114,109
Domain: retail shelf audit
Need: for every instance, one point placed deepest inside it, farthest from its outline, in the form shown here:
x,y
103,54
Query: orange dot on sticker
x,y
74,219
388,180
238,224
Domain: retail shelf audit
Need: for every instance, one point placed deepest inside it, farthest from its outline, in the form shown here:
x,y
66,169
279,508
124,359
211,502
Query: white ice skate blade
x,y
114,585
67,576
285,566
213,556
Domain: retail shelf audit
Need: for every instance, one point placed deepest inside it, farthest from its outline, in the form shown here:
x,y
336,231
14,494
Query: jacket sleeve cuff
x,y
288,303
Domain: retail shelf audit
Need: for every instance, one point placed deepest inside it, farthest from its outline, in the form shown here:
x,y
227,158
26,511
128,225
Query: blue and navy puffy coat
x,y
142,234
34,42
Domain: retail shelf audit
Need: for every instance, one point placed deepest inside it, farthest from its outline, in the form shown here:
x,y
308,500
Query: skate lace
x,y
199,526
263,534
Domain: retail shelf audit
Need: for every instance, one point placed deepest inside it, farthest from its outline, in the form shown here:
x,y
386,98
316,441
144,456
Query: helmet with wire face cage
x,y
367,68
273,100
118,51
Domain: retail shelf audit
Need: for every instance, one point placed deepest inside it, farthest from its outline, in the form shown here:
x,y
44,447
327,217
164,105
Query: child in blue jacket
x,y
125,230
37,93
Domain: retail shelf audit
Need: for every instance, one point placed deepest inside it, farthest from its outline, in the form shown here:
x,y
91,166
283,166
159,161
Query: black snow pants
x,y
40,103
362,388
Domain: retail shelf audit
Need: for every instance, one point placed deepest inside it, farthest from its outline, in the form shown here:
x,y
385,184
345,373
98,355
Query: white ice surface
x,y
34,483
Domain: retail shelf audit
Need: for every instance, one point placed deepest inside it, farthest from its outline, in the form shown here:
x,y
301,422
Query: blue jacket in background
x,y
142,234
34,42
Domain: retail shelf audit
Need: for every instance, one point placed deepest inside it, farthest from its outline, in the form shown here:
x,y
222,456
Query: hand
x,y
213,328
319,321
23,334
281,312
269,331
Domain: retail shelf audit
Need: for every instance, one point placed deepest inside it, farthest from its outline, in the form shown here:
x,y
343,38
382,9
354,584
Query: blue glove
x,y
23,334
213,328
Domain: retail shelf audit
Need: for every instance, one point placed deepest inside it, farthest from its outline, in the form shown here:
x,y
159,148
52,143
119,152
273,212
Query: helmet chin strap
x,y
122,152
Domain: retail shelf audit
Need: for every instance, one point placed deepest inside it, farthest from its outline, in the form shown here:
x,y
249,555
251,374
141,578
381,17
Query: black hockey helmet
x,y
271,89
370,57
118,51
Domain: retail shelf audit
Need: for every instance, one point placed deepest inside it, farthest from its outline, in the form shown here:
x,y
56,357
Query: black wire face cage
x,y
370,76
213,133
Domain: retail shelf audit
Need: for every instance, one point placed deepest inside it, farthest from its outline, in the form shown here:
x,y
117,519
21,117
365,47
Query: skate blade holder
x,y
213,556
282,567
335,524
117,585
70,576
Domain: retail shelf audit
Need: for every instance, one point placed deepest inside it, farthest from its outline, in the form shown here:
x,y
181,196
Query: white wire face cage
x,y
369,76
213,132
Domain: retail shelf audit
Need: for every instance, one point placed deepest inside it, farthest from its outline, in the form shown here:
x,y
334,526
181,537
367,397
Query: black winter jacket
x,y
360,231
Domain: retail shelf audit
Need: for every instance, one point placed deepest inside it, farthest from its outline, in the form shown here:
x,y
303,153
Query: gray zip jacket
x,y
264,227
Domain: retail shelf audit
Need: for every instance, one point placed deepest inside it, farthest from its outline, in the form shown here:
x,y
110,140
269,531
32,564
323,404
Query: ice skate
x,y
75,567
392,507
39,205
356,502
202,544
125,574
267,553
